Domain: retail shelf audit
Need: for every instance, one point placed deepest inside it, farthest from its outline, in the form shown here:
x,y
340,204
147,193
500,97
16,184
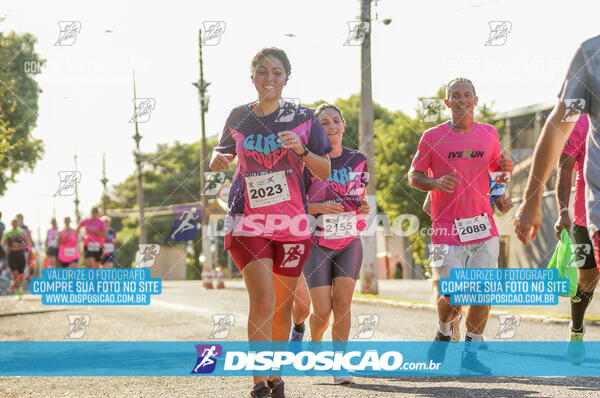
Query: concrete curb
x,y
433,308
494,313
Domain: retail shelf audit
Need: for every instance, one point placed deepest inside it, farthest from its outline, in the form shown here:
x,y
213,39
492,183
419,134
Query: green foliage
x,y
171,175
19,93
351,110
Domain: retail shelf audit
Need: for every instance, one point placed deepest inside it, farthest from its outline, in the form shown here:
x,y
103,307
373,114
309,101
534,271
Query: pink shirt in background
x,y
470,156
576,148
97,224
52,238
67,251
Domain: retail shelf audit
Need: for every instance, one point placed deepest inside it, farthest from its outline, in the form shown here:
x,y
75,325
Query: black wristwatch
x,y
306,152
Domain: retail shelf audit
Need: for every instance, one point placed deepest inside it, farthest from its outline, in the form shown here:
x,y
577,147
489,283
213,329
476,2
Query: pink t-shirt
x,y
576,147
470,156
97,224
68,251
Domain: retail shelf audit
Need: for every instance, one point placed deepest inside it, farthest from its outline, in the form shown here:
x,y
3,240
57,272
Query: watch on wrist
x,y
306,151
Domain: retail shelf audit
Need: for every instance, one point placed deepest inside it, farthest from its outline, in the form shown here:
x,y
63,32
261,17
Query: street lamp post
x,y
201,85
104,182
369,271
76,201
138,161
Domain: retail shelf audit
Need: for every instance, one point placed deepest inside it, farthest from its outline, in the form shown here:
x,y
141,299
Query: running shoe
x,y
456,328
470,365
437,350
276,386
483,345
296,335
575,350
340,380
260,390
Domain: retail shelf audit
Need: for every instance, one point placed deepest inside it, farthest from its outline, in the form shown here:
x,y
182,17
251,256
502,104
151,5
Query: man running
x,y
95,231
579,93
458,156
498,200
587,274
15,243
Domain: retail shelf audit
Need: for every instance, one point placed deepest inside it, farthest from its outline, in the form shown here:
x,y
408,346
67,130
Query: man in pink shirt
x,y
573,155
93,241
452,162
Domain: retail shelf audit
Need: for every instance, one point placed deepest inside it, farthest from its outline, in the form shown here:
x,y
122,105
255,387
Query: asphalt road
x,y
183,312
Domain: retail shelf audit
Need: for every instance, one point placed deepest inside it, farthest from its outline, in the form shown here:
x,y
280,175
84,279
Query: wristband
x,y
306,152
563,210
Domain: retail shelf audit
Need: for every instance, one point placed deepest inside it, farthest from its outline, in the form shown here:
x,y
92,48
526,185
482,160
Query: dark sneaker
x,y
470,365
296,335
276,387
437,350
260,390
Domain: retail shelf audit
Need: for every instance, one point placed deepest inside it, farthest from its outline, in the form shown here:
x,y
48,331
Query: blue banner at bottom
x,y
236,358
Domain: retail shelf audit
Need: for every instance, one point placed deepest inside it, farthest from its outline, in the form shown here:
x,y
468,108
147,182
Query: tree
x,y
19,94
170,176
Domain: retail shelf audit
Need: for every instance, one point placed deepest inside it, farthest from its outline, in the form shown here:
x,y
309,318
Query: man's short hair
x,y
460,80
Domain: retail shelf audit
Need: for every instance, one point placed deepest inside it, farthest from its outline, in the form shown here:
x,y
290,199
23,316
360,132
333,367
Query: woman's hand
x,y
364,207
290,140
220,161
331,207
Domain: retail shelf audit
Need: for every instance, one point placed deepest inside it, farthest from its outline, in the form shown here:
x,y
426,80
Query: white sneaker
x,y
456,328
340,380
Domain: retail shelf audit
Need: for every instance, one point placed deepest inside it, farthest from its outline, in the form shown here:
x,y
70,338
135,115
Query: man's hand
x,y
506,164
563,222
446,183
528,220
503,204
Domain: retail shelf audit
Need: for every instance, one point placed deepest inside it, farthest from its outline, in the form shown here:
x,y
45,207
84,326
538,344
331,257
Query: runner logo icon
x,y
207,358
508,325
222,326
292,254
77,325
366,326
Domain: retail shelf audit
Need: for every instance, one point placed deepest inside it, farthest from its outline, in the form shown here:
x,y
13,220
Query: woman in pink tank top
x,y
68,253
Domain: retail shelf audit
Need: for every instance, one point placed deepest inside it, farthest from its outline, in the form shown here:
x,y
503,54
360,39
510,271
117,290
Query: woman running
x,y
15,243
334,264
52,244
68,252
267,229
108,257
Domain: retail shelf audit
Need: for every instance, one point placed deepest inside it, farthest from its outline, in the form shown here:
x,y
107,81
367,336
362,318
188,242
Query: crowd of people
x,y
292,165
61,247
